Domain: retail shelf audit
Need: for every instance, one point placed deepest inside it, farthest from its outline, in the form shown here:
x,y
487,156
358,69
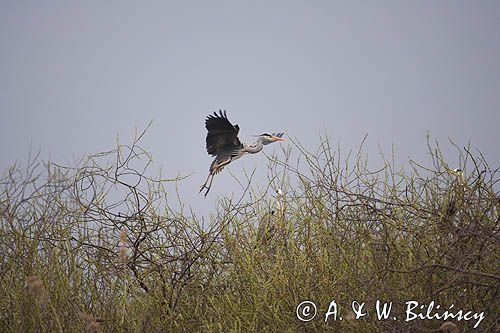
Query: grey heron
x,y
267,225
455,196
223,143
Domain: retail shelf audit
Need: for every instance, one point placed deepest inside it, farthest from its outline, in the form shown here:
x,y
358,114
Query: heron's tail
x,y
218,165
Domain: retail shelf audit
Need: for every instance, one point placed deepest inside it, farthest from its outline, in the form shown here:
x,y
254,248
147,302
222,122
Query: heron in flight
x,y
223,143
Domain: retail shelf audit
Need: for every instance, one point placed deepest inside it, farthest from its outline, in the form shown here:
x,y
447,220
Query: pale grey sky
x,y
73,75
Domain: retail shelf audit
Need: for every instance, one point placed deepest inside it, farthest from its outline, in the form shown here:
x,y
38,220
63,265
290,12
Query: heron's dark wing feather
x,y
222,134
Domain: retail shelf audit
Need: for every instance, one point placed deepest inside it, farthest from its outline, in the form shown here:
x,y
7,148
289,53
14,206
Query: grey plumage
x,y
222,142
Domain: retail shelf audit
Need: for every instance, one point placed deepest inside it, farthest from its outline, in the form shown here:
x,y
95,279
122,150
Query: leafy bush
x,y
98,247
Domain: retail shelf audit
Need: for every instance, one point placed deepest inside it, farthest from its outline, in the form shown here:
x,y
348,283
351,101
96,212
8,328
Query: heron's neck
x,y
255,147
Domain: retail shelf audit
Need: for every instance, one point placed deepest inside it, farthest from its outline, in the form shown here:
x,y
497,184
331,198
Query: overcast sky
x,y
73,75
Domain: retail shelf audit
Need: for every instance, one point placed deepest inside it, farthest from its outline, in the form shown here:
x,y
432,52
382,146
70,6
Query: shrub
x,y
98,246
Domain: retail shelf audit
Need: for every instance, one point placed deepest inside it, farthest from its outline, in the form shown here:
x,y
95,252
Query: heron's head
x,y
270,138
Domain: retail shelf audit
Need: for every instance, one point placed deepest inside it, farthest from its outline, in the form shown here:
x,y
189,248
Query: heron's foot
x,y
204,186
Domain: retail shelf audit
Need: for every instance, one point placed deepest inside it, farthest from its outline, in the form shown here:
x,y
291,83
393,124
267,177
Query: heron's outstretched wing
x,y
221,133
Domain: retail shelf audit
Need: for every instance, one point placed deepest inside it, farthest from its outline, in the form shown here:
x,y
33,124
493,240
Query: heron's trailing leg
x,y
204,185
209,185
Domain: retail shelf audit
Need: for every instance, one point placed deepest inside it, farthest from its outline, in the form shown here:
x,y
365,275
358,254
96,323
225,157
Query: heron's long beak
x,y
277,138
